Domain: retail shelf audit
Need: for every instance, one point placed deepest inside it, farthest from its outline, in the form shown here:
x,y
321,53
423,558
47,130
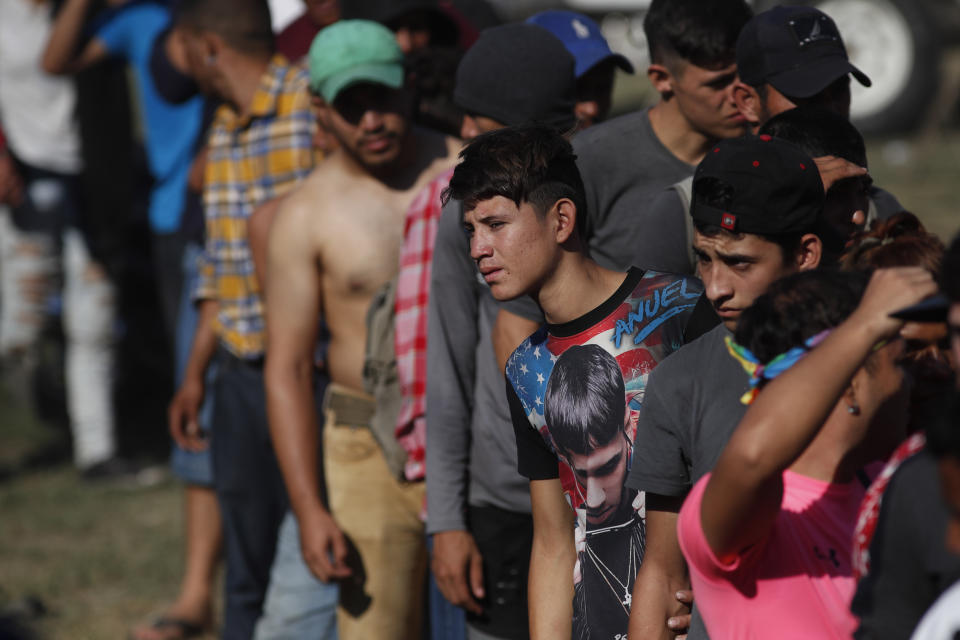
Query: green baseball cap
x,y
352,51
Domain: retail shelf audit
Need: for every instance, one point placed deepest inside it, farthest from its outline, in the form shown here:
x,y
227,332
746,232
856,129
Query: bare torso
x,y
357,231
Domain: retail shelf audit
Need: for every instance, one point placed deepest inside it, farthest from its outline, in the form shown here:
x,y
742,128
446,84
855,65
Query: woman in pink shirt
x,y
768,534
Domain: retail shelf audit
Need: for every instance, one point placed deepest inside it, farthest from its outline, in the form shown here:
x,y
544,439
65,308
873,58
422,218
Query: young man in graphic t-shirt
x,y
574,387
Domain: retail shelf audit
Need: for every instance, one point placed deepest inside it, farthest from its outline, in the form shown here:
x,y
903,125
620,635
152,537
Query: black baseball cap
x,y
796,49
776,187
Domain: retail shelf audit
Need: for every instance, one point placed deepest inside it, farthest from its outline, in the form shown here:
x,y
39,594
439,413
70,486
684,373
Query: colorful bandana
x,y
759,372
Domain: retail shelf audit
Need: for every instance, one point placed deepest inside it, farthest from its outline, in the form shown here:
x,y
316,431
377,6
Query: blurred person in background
x,y
416,24
170,130
259,148
293,41
46,235
595,64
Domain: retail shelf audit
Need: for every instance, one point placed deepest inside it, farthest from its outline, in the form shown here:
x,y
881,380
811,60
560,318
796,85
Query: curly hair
x,y
899,241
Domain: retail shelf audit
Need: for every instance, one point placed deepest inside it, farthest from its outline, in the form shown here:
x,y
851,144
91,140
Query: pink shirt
x,y
796,583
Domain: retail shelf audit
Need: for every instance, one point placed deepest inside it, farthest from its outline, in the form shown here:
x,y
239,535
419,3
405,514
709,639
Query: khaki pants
x,y
381,517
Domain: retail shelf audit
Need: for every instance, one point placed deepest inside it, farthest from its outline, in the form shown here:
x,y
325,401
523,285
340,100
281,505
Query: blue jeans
x,y
193,467
298,605
447,621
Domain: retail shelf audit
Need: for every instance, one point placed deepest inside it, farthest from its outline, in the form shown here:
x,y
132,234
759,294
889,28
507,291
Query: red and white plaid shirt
x,y
410,341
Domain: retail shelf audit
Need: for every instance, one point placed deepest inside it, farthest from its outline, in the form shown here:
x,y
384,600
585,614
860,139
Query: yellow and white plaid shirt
x,y
251,160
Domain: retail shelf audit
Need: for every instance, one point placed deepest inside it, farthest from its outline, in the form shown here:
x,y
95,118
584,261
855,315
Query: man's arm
x,y
185,405
662,574
61,55
550,589
509,331
451,377
743,495
292,311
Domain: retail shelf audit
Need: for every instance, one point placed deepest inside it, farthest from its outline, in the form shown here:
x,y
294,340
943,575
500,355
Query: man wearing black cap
x,y
786,57
791,56
478,505
756,202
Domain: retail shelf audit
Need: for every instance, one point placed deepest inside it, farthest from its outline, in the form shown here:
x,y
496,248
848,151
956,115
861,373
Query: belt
x,y
231,360
350,408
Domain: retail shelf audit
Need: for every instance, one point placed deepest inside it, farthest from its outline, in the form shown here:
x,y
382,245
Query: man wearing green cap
x,y
335,242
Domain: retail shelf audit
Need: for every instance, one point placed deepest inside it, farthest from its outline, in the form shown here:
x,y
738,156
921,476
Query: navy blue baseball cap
x,y
796,49
582,38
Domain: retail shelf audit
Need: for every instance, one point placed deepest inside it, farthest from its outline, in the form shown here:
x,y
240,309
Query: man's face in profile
x,y
601,473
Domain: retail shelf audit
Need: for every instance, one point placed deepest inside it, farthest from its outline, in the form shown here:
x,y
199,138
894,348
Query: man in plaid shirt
x,y
259,149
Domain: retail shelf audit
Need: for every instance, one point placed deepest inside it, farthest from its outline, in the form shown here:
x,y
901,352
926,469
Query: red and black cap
x,y
776,187
796,49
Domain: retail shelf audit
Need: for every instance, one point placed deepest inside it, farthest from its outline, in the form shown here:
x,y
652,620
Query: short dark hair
x,y
821,132
818,132
585,402
528,163
714,192
244,25
950,270
798,307
703,33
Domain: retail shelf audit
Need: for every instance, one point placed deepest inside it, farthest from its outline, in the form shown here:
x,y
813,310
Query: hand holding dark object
x,y
324,546
183,415
458,568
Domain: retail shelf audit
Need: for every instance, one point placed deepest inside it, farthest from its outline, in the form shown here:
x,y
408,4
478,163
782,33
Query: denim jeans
x,y
298,605
447,621
193,467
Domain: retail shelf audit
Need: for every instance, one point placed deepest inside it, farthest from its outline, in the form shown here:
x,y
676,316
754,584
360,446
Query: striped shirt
x,y
251,160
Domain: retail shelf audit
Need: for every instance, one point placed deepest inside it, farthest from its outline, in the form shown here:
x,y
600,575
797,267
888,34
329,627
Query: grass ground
x,y
98,557
101,558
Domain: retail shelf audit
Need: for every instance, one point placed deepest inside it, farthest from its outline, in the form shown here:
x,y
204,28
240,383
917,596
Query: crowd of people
x,y
460,357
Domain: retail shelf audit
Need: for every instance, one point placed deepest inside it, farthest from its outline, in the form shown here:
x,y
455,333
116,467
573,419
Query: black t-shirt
x,y
574,392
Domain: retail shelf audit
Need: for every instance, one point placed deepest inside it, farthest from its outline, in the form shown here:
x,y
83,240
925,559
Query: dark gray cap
x,y
516,74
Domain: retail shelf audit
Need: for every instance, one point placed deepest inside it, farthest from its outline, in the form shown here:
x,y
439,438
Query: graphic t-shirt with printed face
x,y
575,390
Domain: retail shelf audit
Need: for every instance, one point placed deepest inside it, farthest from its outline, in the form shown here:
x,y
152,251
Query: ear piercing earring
x,y
853,409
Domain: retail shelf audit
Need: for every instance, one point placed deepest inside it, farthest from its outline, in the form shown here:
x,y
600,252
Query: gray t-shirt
x,y
624,167
691,407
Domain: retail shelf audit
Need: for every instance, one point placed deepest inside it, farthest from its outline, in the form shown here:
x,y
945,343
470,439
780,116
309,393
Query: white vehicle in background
x,y
898,43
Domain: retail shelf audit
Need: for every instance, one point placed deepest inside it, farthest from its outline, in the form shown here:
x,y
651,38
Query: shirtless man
x,y
334,244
